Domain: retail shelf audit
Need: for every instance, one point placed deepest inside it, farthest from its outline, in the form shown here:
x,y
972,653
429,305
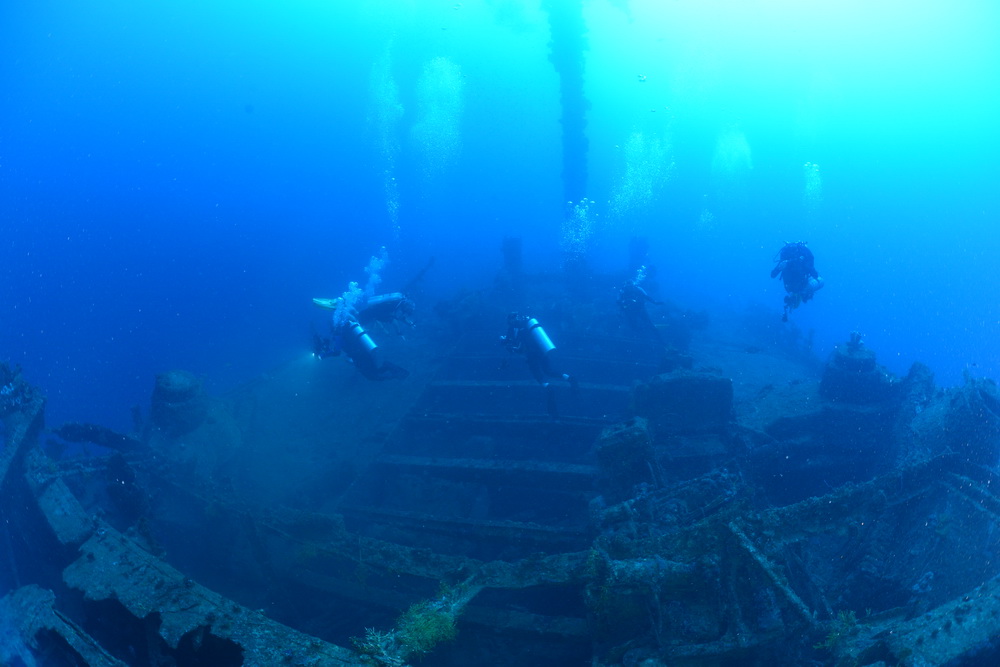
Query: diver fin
x,y
329,304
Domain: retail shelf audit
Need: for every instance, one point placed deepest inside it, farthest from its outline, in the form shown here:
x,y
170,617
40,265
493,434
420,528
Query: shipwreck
x,y
728,500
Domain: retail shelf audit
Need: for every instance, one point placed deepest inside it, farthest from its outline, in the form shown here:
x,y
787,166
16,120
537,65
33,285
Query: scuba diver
x,y
349,337
796,266
393,309
526,336
387,310
632,299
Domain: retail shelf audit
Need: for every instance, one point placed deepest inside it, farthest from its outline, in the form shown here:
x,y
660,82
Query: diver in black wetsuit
x,y
526,336
796,266
351,339
632,300
389,310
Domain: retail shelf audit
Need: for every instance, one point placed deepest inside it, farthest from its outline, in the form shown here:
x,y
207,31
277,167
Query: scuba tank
x,y
383,298
538,337
356,338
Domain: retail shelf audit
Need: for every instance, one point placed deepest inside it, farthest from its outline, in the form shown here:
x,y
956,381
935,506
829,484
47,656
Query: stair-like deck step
x,y
600,370
457,529
564,476
508,425
525,397
459,435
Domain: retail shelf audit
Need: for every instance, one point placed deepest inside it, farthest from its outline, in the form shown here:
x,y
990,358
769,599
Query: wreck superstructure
x,y
723,503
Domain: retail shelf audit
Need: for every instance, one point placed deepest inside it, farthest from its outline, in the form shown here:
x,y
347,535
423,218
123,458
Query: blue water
x,y
178,180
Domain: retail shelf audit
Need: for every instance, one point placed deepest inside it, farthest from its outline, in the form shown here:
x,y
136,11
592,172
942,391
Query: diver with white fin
x,y
389,311
349,337
347,333
526,336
